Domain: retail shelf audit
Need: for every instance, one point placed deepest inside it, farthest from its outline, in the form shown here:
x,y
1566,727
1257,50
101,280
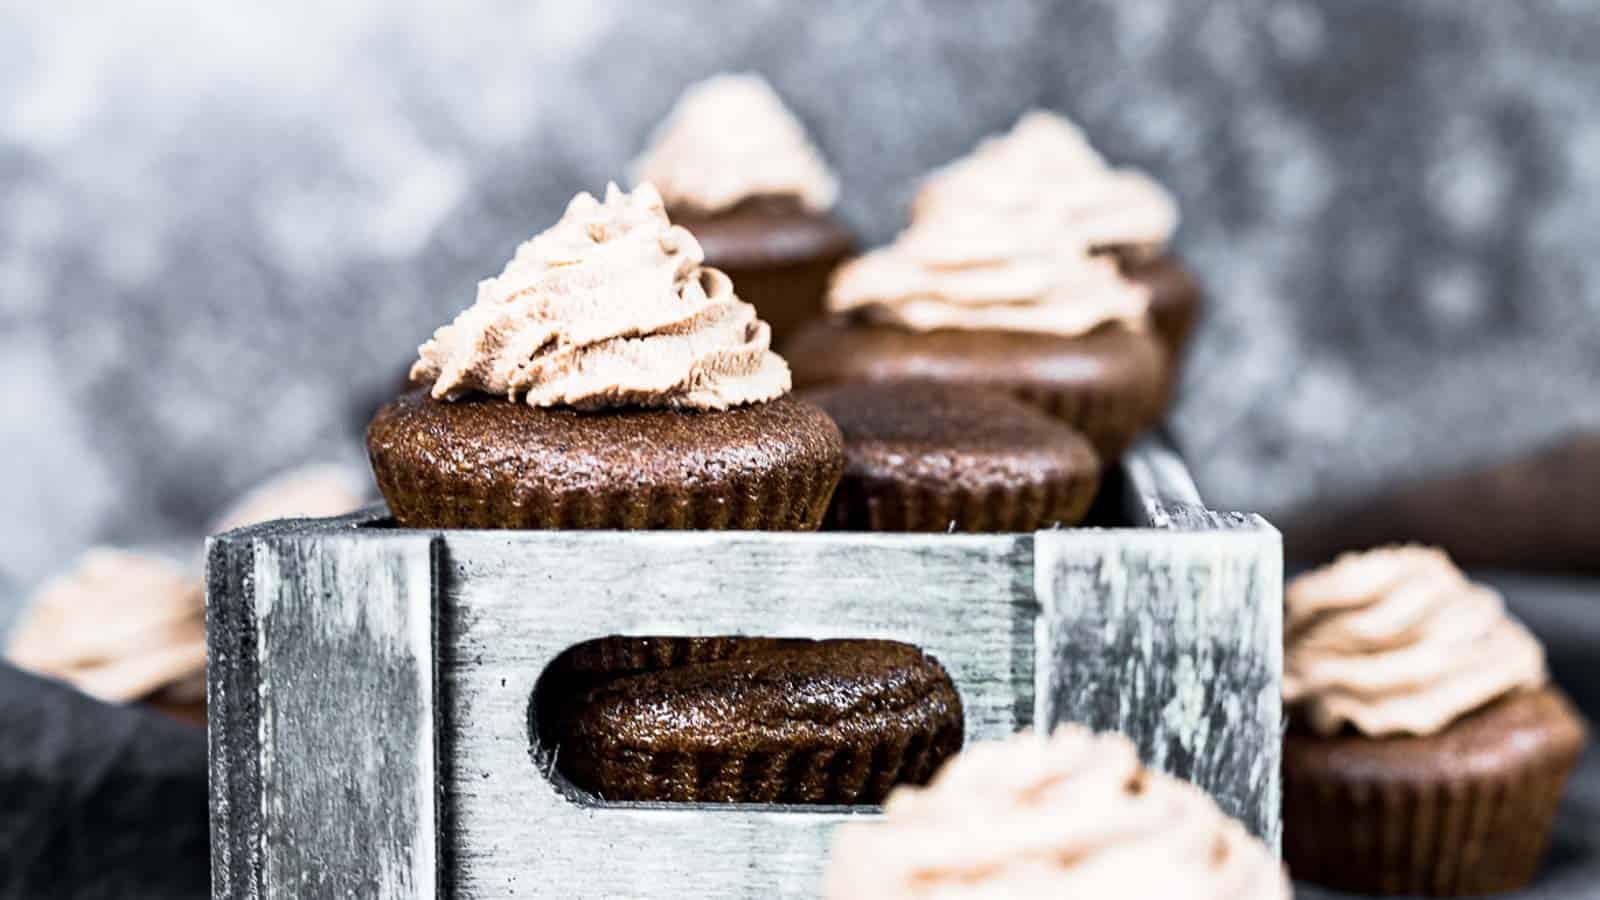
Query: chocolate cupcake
x,y
1106,385
1047,171
1427,750
605,379
1072,815
828,722
735,168
1006,278
924,456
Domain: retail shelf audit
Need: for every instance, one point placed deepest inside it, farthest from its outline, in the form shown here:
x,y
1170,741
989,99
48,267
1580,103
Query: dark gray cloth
x,y
97,801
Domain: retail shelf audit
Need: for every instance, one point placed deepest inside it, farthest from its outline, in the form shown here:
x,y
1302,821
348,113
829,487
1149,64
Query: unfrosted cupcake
x,y
748,720
1427,750
605,379
922,456
1074,815
1008,294
736,168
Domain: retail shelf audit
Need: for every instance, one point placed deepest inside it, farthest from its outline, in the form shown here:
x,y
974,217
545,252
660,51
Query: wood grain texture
x,y
232,733
512,604
344,721
1175,640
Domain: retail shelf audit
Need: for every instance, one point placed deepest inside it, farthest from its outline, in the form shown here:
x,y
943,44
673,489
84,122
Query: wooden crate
x,y
371,687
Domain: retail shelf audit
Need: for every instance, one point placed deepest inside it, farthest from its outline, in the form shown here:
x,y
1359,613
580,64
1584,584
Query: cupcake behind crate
x,y
372,687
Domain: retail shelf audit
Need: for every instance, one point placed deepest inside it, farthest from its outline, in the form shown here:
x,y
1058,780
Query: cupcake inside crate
x,y
379,726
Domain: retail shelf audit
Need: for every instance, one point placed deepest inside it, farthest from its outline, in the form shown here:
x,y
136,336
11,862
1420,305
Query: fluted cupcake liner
x,y
619,654
1467,828
785,296
886,504
840,770
446,499
1109,415
494,464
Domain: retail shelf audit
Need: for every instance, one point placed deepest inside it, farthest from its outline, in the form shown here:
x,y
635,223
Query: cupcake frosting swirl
x,y
1397,641
730,138
1012,238
609,307
1074,815
1045,172
993,274
119,626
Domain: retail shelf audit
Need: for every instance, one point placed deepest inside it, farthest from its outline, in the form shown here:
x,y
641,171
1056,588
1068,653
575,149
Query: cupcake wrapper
x,y
869,504
1444,837
785,297
1109,418
780,501
846,772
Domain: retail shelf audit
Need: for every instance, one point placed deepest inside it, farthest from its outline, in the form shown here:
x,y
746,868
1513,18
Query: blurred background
x,y
224,228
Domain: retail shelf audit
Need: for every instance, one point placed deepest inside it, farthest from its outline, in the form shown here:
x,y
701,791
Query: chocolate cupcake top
x,y
609,307
1398,641
1011,239
950,435
730,139
1074,815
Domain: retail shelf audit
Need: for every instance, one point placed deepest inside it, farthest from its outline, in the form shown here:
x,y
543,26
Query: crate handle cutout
x,y
872,714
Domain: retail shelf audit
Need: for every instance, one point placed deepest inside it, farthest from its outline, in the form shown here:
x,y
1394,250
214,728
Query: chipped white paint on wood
x,y
344,743
1175,640
1169,631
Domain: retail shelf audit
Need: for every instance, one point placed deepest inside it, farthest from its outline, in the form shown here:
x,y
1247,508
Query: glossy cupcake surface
x,y
782,722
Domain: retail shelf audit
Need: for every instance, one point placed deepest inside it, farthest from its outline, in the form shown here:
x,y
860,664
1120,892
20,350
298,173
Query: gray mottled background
x,y
223,230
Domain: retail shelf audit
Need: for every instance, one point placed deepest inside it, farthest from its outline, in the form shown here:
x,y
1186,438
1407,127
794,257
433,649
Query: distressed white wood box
x,y
370,687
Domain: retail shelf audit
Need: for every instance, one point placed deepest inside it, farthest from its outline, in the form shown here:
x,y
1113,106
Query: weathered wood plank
x,y
1175,639
345,680
234,711
511,605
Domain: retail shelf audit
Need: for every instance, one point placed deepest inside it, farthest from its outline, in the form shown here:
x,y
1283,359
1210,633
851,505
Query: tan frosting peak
x,y
123,626
608,307
119,626
1398,641
1011,238
1074,815
988,275
1045,173
728,138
